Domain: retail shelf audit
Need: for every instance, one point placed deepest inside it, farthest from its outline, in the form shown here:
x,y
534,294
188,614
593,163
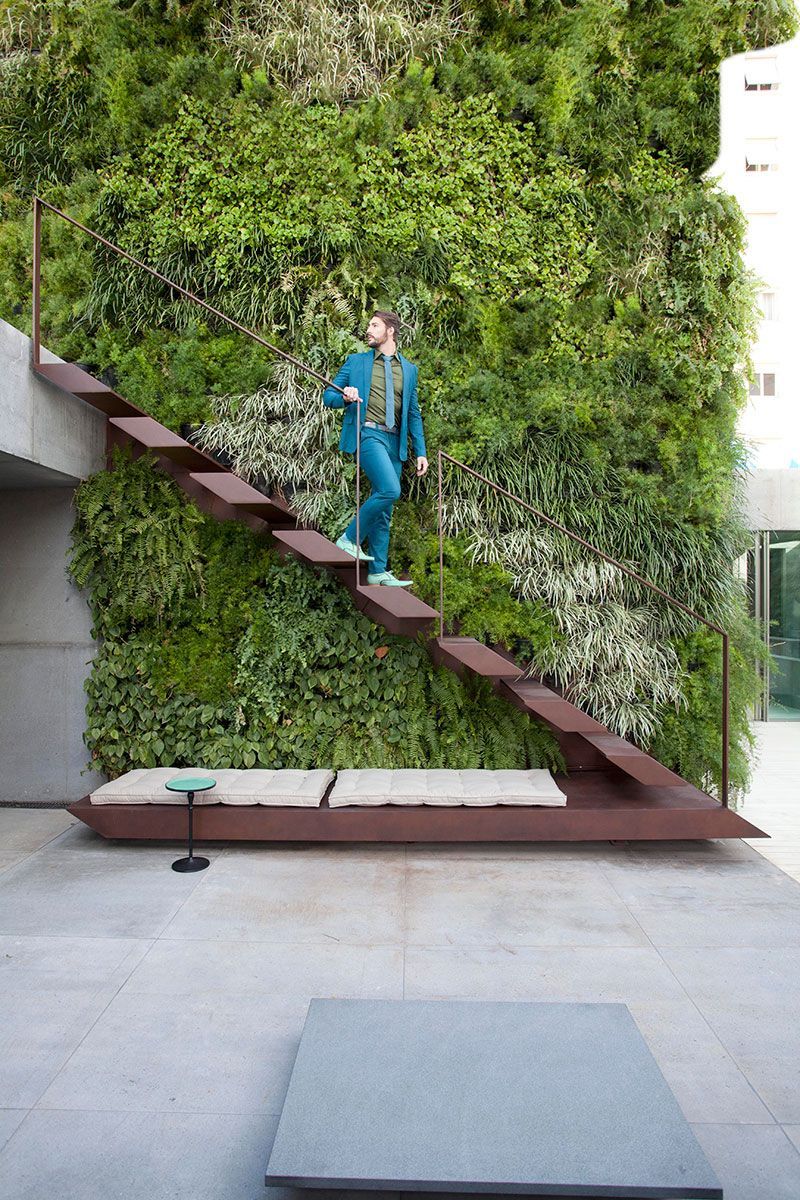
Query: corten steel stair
x,y
614,790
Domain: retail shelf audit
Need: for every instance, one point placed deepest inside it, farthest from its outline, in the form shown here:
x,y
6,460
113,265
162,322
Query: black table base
x,y
192,863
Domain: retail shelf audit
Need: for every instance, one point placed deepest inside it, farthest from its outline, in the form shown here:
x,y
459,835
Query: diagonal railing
x,y
39,205
653,587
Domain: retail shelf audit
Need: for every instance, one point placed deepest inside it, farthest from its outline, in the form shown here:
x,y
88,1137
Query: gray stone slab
x,y
536,1099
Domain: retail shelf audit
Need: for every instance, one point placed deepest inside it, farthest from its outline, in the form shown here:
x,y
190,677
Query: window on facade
x,y
761,74
766,302
763,384
761,154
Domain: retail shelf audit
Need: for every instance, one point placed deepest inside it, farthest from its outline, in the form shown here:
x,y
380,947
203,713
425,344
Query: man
x,y
388,415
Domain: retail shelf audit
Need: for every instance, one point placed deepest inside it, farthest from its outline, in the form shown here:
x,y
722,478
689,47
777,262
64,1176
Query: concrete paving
x,y
773,803
150,1019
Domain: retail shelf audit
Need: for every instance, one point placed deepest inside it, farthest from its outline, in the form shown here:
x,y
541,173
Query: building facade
x,y
759,164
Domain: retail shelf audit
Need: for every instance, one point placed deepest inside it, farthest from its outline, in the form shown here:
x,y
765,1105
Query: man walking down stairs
x,y
380,397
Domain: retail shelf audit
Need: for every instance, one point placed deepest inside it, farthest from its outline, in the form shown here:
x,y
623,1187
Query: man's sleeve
x,y
334,399
415,423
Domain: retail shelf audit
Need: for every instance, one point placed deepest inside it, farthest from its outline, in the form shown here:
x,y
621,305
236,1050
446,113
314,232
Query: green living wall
x,y
526,184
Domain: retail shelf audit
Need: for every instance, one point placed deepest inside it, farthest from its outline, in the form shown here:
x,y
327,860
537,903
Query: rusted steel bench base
x,y
601,806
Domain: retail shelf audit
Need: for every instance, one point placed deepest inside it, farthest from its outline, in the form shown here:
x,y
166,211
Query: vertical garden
x,y
526,184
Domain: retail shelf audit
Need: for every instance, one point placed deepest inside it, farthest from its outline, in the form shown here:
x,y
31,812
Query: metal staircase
x,y
615,789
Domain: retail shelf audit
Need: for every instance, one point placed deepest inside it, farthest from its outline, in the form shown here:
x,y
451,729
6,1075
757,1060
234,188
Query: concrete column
x,y
45,651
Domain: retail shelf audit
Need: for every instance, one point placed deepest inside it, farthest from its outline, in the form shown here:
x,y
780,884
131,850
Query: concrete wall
x,y
39,423
773,499
49,440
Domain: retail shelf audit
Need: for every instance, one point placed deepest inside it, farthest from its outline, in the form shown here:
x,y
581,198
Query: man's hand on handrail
x,y
351,396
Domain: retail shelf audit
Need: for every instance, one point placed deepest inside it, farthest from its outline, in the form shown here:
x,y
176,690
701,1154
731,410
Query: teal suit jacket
x,y
357,372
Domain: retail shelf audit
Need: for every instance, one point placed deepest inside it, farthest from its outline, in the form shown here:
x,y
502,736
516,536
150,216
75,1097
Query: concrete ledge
x,y
40,423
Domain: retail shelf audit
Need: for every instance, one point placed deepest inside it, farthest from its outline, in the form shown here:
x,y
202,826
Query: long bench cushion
x,y
280,788
372,786
298,789
147,785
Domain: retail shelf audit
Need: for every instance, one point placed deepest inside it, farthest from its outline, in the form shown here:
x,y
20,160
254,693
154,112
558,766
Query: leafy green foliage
x,y
242,659
139,551
528,191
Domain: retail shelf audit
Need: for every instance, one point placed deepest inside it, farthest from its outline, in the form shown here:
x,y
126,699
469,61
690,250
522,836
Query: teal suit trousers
x,y
380,459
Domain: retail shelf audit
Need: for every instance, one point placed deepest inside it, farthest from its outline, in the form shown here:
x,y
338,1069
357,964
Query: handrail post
x,y
726,705
37,282
441,547
358,494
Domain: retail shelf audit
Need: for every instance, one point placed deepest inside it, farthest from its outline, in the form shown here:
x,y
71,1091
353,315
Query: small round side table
x,y
195,783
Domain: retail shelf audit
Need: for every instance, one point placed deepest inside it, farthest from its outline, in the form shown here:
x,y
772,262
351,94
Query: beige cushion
x,y
282,788
372,786
297,789
147,785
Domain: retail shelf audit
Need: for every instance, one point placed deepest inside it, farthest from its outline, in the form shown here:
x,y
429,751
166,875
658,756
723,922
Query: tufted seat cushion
x,y
299,789
372,786
279,788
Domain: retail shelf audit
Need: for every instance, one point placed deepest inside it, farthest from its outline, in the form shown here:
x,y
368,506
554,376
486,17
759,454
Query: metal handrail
x,y
39,204
442,457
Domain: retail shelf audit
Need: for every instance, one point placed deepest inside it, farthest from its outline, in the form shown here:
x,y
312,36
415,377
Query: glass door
x,y
773,582
784,624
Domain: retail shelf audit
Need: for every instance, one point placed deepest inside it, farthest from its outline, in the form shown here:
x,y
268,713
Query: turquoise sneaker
x,y
349,547
389,580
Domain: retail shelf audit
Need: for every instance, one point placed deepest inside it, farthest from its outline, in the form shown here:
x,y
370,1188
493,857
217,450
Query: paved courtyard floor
x,y
773,803
149,1019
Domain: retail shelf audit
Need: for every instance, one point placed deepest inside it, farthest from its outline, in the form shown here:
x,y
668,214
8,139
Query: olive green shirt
x,y
376,406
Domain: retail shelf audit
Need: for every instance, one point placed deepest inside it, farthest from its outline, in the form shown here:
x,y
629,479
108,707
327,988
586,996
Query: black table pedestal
x,y
192,863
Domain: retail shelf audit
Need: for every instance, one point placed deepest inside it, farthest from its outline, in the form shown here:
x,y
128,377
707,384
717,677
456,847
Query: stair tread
x,y
479,658
610,741
312,546
151,433
398,601
634,761
560,713
230,487
74,379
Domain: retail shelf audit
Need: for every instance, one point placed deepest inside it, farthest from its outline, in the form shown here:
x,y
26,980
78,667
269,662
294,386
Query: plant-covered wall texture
x,y
527,184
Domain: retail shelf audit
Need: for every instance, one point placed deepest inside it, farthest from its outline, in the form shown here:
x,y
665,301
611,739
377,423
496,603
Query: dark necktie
x,y
387,366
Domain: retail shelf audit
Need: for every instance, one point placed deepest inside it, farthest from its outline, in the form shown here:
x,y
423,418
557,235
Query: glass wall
x,y
773,576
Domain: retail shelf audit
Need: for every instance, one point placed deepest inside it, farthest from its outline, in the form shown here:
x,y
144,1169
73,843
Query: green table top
x,y
192,783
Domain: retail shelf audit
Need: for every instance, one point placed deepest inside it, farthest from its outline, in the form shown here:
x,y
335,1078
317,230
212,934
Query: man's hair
x,y
391,320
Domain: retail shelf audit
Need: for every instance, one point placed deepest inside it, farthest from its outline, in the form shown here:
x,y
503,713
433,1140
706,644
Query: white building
x,y
759,164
